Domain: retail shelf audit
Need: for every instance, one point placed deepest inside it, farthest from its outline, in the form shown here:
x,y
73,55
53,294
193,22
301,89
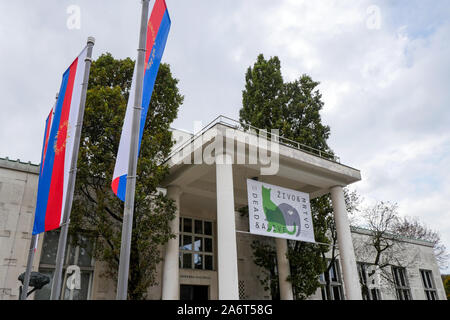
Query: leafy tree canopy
x,y
96,210
292,107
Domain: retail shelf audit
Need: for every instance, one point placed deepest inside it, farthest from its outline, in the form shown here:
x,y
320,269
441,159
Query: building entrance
x,y
191,292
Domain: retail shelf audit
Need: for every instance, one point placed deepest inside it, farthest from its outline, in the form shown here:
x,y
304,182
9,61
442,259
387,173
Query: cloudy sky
x,y
384,69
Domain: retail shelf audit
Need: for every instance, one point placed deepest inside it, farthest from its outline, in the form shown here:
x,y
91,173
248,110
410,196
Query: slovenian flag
x,y
157,31
58,148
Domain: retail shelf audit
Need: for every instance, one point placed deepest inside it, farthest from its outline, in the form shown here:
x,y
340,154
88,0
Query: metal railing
x,y
247,128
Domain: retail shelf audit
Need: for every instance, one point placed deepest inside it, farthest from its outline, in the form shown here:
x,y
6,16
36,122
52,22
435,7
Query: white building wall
x,y
419,255
18,190
414,255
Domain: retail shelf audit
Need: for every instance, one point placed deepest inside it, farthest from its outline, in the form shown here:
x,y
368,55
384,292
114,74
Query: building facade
x,y
18,189
211,257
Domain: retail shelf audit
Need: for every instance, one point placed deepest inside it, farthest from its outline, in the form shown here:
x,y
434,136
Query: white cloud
x,y
386,97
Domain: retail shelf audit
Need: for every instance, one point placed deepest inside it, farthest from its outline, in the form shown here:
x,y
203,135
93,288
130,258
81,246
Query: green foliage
x,y
96,210
293,108
447,286
263,95
301,114
265,256
306,259
306,264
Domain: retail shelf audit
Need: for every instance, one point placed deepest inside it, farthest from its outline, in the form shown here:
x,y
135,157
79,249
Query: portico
x,y
207,181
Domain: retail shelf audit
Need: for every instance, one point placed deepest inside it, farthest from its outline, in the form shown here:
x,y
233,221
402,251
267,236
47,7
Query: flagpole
x,y
26,280
127,226
57,277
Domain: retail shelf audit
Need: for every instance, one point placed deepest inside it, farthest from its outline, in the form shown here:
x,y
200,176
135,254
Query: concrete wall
x,y
412,254
103,288
18,189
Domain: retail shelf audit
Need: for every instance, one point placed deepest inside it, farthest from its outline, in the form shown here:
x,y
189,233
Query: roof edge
x,y
19,165
365,231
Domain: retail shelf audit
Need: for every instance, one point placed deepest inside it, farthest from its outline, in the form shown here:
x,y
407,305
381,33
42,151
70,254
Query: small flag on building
x,y
157,31
58,148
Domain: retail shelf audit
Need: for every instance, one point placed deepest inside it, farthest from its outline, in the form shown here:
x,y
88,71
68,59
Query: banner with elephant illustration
x,y
279,212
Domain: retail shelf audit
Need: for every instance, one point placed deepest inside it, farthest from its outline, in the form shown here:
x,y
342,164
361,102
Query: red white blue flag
x,y
58,148
157,31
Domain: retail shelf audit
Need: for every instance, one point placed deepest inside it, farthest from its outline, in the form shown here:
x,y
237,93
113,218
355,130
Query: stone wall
x,y
18,189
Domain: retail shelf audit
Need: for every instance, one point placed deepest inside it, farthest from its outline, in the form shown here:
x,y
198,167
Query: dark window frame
x,y
196,252
72,257
336,285
371,293
430,287
402,288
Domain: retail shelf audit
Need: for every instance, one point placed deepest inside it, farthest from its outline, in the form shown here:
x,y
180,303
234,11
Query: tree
x,y
306,259
96,211
414,229
301,112
386,246
293,108
265,256
446,280
262,98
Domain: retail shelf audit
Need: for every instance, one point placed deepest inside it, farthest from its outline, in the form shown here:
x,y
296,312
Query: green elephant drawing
x,y
279,217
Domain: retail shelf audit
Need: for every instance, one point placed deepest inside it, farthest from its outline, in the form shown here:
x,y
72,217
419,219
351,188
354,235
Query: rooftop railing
x,y
247,128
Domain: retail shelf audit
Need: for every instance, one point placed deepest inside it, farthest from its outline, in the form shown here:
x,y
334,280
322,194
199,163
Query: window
x,y
401,284
196,244
75,255
428,284
335,283
368,291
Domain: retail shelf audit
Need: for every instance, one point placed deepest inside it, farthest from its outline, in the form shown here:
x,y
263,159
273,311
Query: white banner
x,y
279,212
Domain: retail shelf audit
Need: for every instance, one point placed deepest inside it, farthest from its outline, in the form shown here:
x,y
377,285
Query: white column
x,y
171,271
283,270
346,250
226,231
